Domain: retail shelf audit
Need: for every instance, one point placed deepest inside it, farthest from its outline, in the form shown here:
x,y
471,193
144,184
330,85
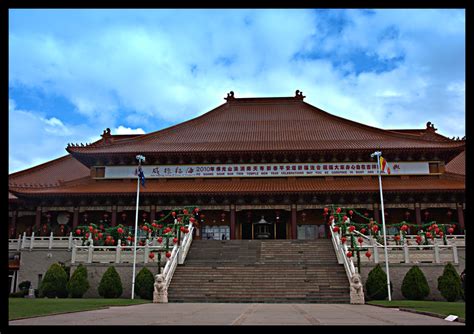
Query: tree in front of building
x,y
449,284
110,285
144,284
54,282
414,285
78,284
376,284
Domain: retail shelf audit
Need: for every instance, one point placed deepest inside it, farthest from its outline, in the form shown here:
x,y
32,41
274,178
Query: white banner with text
x,y
266,170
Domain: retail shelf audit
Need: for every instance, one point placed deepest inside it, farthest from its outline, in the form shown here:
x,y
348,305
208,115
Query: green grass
x,y
26,308
443,308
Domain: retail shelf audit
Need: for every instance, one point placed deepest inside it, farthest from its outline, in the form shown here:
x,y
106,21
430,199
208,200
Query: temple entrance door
x,y
281,230
246,231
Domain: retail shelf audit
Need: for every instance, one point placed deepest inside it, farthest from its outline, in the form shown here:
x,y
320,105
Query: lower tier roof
x,y
251,186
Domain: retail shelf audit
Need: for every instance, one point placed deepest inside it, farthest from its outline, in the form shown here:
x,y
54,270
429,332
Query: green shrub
x,y
110,285
25,285
54,282
144,284
376,284
78,284
449,284
18,294
414,285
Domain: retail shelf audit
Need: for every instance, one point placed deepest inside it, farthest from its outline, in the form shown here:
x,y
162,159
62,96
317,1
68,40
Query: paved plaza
x,y
239,314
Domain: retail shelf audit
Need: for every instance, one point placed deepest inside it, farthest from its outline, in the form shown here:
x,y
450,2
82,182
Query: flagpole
x,y
139,158
378,155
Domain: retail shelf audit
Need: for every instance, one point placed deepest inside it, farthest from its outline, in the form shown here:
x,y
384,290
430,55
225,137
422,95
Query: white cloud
x,y
34,139
121,130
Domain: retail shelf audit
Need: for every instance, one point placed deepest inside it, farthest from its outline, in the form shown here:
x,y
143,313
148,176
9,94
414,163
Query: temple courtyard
x,y
239,314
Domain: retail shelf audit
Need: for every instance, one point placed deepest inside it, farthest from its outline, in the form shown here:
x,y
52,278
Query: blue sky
x,y
73,73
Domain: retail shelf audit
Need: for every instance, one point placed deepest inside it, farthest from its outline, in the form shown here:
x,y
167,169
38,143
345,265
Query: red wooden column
x,y
114,215
293,221
461,217
153,214
377,213
14,218
418,215
38,218
232,222
75,218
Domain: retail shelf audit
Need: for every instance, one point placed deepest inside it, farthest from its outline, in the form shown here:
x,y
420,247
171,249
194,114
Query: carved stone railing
x,y
51,242
351,271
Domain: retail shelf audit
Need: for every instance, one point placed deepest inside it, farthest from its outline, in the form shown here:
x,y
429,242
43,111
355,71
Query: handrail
x,y
170,266
186,244
341,250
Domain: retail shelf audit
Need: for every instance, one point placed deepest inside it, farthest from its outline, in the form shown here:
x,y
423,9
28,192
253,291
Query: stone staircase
x,y
253,271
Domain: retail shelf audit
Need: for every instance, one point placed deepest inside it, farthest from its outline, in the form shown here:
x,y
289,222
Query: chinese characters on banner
x,y
267,170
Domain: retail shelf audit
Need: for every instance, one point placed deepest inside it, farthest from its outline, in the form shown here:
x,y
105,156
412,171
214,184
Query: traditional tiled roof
x,y
457,165
49,174
266,124
249,186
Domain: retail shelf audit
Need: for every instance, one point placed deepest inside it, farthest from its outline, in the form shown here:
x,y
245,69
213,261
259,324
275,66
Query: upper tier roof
x,y
458,164
267,124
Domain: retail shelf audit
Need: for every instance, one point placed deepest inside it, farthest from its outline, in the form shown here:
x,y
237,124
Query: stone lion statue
x,y
160,295
357,291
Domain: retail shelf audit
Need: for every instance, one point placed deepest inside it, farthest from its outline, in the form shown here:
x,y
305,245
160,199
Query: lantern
x,y
144,215
326,210
407,214
303,216
343,239
368,254
363,230
427,213
175,240
162,215
106,215
351,228
338,210
185,211
78,232
351,213
168,255
151,256
120,230
222,216
450,230
85,217
160,240
349,254
124,216
335,229
366,214
277,213
360,240
449,213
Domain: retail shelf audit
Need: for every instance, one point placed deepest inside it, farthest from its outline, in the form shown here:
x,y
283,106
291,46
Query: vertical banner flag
x,y
141,175
384,166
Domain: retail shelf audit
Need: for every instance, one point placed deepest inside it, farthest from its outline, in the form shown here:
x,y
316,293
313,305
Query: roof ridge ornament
x,y
299,95
430,127
230,96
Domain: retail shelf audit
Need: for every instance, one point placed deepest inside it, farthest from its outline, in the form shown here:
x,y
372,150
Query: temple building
x,y
256,167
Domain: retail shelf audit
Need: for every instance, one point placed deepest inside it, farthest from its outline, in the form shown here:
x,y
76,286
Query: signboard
x,y
266,170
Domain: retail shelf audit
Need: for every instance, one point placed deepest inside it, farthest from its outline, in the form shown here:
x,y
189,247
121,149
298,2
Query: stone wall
x,y
37,262
125,270
398,271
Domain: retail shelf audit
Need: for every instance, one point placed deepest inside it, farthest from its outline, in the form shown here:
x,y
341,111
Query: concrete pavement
x,y
239,314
